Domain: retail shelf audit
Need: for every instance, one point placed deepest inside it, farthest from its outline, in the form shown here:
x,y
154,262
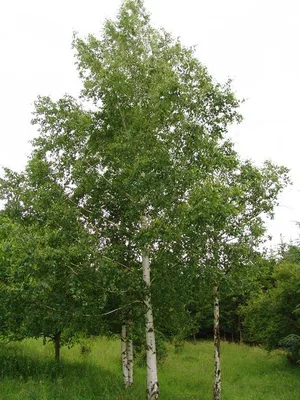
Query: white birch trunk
x,y
124,355
217,357
152,380
129,353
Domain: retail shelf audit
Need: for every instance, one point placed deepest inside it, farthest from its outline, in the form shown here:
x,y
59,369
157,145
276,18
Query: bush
x,y
140,349
291,344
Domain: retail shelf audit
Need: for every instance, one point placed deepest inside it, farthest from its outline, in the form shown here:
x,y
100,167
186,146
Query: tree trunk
x,y
124,355
240,330
57,345
152,380
217,357
129,353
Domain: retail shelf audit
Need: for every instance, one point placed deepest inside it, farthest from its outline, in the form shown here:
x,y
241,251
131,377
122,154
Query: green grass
x,y
27,372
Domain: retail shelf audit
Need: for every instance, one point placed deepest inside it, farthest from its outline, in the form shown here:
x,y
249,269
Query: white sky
x,y
255,42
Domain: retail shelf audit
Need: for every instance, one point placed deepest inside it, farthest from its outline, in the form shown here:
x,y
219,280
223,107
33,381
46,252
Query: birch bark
x,y
129,353
152,379
124,355
217,358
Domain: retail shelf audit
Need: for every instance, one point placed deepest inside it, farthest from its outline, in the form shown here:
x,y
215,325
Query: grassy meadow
x,y
28,372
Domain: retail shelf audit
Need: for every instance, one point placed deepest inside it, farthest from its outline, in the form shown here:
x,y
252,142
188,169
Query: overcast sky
x,y
254,42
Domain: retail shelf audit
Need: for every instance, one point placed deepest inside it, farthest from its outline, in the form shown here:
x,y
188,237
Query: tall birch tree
x,y
150,125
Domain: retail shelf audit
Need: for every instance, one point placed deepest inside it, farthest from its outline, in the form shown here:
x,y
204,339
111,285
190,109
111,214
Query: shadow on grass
x,y
40,377
17,364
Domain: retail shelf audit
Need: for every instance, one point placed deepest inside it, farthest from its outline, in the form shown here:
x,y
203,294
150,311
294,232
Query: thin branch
x,y
117,262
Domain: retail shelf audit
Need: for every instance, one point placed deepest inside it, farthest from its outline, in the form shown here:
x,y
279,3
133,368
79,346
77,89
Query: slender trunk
x,y
129,353
217,357
240,330
124,354
57,345
152,379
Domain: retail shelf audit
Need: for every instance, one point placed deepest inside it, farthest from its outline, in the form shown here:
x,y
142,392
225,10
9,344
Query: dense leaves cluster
x,y
271,316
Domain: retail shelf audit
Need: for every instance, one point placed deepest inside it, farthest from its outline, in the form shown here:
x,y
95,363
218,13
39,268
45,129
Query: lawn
x,y
28,372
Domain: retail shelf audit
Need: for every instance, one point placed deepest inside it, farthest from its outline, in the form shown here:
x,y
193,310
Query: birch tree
x,y
226,216
151,126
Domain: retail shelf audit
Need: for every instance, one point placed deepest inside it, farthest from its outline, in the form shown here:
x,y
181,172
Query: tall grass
x,y
28,372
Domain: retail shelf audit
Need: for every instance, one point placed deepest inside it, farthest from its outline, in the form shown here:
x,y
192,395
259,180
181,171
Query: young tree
x,y
225,217
51,265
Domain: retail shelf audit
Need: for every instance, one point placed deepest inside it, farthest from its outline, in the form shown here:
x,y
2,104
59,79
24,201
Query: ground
x,y
28,372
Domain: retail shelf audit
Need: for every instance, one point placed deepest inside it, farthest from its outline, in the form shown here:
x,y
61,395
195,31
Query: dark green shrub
x,y
291,344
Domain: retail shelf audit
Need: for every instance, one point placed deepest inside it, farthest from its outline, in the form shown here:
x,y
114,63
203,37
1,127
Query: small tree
x,y
225,217
49,257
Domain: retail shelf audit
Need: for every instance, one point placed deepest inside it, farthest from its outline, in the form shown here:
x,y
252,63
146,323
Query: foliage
x,y
291,344
49,258
148,129
146,138
140,349
272,315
